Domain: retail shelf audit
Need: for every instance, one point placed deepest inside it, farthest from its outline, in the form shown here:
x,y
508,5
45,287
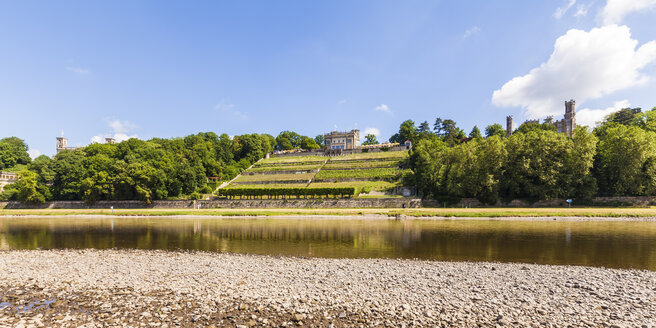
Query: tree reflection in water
x,y
609,244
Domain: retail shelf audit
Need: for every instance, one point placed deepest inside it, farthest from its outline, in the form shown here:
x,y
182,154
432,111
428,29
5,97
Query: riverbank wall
x,y
643,201
227,203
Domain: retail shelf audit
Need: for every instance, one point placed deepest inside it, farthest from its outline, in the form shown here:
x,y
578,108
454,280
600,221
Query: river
x,y
601,244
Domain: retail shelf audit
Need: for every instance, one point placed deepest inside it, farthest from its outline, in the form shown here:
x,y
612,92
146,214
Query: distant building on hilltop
x,y
62,144
342,140
566,125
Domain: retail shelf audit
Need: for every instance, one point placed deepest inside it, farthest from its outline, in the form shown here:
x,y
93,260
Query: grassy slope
x,y
418,212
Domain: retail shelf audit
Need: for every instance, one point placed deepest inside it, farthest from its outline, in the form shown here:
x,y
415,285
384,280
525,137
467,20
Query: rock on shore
x,y
97,288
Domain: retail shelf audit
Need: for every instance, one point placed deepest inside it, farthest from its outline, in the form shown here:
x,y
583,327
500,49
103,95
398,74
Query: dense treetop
x,y
137,169
617,158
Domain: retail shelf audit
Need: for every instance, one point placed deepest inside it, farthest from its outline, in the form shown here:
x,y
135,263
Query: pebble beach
x,y
137,288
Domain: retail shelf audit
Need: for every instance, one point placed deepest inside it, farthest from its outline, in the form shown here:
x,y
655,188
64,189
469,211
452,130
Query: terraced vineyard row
x,y
364,172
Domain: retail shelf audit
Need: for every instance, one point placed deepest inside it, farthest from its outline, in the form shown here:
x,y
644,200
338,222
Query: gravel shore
x,y
99,288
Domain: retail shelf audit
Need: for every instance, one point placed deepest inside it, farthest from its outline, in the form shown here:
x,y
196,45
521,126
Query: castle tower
x,y
570,117
62,143
509,125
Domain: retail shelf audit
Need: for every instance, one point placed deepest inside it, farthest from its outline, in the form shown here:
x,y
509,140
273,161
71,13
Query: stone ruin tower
x,y
509,125
570,116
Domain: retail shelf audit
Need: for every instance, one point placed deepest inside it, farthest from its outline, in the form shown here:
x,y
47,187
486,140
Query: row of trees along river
x,y
616,158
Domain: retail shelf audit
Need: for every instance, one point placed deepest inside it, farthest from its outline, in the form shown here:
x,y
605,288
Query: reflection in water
x,y
609,244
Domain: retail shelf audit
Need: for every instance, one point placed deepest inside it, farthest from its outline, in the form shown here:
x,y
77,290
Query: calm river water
x,y
608,244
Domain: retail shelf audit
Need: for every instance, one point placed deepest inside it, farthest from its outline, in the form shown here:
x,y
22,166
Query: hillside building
x,y
566,125
62,144
7,178
342,140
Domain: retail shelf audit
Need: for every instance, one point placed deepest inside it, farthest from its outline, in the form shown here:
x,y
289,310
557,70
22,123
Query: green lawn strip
x,y
361,164
375,173
275,177
371,185
259,164
267,185
291,159
283,168
390,154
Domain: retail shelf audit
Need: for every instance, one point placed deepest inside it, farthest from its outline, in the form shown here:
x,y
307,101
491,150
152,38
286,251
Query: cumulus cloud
x,y
373,131
561,11
615,10
120,131
78,70
34,153
383,108
471,32
584,65
591,117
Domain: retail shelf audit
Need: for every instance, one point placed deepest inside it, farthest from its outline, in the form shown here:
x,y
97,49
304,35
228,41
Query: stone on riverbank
x,y
117,287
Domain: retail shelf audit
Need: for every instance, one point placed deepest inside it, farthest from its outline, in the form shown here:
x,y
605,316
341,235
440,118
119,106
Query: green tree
x,y
533,126
308,143
370,139
625,116
249,146
475,133
13,151
407,131
495,130
288,140
536,165
648,120
475,169
624,162
69,173
428,159
28,189
319,139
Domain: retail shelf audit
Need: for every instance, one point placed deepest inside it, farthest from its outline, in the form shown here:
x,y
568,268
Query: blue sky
x,y
167,69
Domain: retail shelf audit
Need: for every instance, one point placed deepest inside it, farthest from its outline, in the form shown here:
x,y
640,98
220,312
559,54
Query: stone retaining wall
x,y
226,203
325,203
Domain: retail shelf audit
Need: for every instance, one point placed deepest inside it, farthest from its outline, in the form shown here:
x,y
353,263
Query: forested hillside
x,y
617,158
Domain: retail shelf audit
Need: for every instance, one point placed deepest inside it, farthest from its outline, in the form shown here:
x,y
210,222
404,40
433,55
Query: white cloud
x,y
591,117
78,70
122,127
615,10
561,11
34,153
341,102
383,108
471,32
239,114
373,131
584,65
120,131
230,108
582,10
